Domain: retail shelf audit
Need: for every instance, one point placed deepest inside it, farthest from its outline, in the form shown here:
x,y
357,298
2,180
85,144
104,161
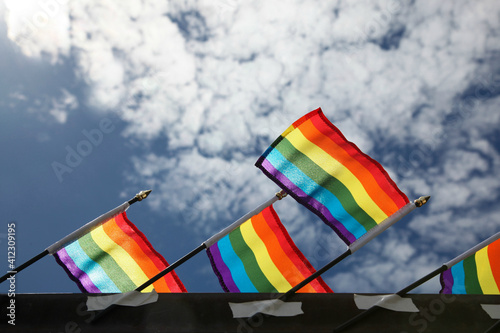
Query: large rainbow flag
x,y
115,258
314,163
260,256
476,274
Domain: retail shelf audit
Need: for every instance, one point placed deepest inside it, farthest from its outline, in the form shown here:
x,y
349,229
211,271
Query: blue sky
x,y
186,96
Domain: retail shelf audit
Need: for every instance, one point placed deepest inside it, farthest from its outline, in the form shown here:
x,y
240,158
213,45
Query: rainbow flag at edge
x,y
476,274
115,258
314,163
260,256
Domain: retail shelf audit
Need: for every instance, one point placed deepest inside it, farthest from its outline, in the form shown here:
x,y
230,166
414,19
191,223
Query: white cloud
x,y
47,109
60,107
386,265
19,96
218,81
39,27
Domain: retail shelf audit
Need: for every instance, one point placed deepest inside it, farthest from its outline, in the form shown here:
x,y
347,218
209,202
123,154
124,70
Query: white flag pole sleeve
x,y
473,250
215,238
87,228
382,226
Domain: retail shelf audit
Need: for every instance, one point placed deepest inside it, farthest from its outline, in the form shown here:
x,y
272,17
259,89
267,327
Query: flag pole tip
x,y
422,200
281,194
142,195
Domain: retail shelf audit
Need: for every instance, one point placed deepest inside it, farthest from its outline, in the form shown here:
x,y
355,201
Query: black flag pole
x,y
424,279
493,328
361,242
205,245
76,234
402,292
356,245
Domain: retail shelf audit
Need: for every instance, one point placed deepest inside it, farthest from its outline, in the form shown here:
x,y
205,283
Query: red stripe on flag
x,y
173,281
293,253
367,179
378,172
267,231
143,259
494,258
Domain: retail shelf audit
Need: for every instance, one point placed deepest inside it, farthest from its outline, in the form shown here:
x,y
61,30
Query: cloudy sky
x,y
102,99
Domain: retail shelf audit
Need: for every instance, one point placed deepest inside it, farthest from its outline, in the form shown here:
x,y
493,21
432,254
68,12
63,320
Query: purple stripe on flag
x,y
221,270
446,282
307,201
75,273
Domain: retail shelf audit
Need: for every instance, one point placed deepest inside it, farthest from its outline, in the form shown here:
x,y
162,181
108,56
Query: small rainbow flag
x,y
314,163
115,258
476,274
260,256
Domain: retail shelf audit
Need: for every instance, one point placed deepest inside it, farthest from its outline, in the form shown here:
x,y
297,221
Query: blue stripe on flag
x,y
95,272
313,189
458,278
235,265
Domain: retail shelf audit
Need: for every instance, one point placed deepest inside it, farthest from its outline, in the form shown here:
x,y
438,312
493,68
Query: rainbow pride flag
x,y
115,258
476,274
314,163
260,256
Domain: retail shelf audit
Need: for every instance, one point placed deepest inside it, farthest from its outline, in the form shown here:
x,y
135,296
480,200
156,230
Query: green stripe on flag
x,y
252,268
472,285
327,181
108,264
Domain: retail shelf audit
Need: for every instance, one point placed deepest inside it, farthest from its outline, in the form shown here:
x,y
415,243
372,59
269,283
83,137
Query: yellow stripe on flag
x,y
265,262
288,130
484,272
122,258
334,168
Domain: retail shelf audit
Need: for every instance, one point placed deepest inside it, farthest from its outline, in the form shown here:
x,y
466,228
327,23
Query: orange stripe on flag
x,y
365,176
278,256
494,257
378,172
173,282
134,250
301,263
